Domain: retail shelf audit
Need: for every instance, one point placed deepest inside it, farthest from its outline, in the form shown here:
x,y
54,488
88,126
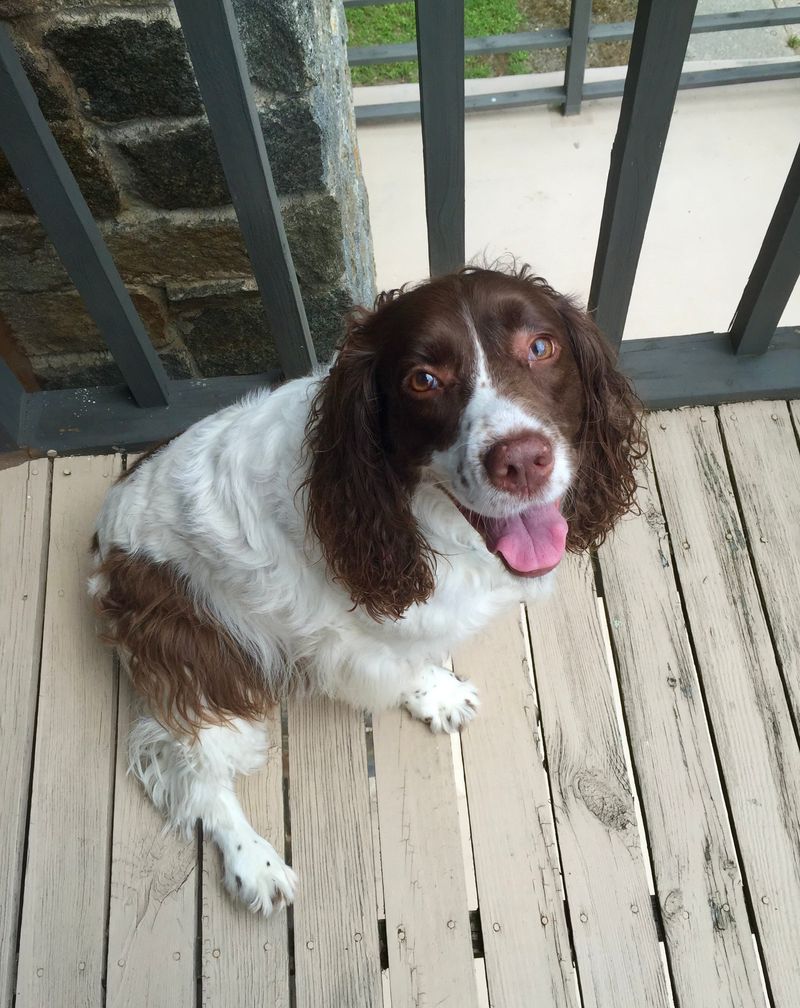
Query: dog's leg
x,y
440,699
190,780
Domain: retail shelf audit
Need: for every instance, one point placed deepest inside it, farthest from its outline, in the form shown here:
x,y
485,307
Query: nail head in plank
x,y
525,939
63,913
337,959
603,863
758,753
427,919
245,955
765,459
706,927
153,897
23,561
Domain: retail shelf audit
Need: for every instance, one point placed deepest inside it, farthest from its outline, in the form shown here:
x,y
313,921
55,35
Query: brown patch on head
x,y
180,659
133,466
575,388
369,433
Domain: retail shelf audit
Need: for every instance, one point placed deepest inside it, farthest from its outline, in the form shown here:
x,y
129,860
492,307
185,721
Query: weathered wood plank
x,y
614,932
153,902
24,491
707,931
337,959
425,894
525,940
766,468
61,941
760,762
245,955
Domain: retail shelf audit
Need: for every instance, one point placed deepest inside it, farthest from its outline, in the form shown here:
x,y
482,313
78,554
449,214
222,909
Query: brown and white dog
x,y
348,529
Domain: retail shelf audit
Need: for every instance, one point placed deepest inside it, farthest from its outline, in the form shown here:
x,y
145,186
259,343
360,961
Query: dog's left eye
x,y
423,381
541,348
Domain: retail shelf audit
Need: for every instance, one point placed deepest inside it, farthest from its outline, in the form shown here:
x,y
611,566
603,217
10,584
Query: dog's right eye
x,y
423,381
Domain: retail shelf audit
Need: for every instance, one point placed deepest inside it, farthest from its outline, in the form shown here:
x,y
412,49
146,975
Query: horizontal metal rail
x,y
558,38
212,38
49,184
700,369
703,370
59,419
556,94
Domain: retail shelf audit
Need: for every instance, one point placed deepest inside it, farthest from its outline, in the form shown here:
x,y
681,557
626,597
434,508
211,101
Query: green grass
x,y
395,23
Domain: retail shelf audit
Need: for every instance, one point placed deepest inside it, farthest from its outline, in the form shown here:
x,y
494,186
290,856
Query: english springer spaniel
x,y
348,529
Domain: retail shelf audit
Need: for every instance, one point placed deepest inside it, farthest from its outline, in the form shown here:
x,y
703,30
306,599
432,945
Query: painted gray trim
x,y
580,19
557,38
60,420
212,38
702,369
774,274
654,71
12,398
49,184
752,74
440,42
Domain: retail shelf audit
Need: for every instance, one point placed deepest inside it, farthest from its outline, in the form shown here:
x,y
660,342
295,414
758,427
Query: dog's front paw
x,y
441,700
256,874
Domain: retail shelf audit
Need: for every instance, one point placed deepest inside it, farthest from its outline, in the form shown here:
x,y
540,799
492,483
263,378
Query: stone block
x,y
56,322
87,164
128,68
162,248
230,334
180,167
88,370
28,261
276,38
314,231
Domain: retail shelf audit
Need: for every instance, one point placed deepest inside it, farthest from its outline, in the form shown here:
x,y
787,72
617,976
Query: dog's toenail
x,y
238,846
238,882
268,864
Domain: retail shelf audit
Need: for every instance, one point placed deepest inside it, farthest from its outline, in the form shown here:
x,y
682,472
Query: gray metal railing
x,y
576,40
753,360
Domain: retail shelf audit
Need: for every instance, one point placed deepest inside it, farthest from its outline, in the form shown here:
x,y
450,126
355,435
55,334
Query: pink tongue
x,y
529,542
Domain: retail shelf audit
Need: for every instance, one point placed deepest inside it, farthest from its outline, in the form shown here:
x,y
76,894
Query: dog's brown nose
x,y
520,465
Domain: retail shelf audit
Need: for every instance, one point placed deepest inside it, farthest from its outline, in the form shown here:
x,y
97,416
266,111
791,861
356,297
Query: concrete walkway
x,y
536,181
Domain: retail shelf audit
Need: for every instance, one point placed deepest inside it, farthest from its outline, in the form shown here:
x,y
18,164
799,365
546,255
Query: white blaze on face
x,y
488,418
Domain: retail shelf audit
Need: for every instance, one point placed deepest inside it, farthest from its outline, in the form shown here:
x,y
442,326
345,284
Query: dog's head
x,y
496,388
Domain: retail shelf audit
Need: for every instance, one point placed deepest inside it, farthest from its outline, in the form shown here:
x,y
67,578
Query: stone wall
x,y
117,87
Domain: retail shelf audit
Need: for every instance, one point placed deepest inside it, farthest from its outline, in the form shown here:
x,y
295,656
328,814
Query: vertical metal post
x,y
12,397
440,45
580,20
774,275
212,38
660,37
49,185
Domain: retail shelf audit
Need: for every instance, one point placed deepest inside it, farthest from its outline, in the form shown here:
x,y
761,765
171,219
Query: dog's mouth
x,y
530,543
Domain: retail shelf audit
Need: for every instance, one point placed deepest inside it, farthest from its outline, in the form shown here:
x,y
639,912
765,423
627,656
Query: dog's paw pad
x,y
442,701
259,877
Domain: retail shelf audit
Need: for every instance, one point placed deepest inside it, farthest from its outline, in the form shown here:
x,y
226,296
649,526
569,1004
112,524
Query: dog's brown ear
x,y
358,505
611,438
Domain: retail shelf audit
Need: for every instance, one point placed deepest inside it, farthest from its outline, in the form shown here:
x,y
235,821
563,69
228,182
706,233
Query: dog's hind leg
x,y
190,779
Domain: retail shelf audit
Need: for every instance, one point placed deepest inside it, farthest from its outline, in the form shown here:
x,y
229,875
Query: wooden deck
x,y
620,827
